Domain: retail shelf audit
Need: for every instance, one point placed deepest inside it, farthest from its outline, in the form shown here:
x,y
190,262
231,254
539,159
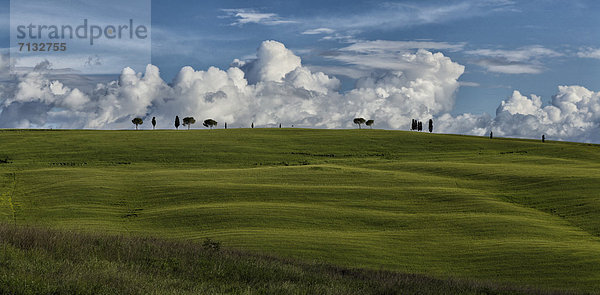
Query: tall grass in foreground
x,y
42,261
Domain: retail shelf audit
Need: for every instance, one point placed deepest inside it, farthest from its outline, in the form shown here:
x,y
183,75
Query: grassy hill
x,y
514,212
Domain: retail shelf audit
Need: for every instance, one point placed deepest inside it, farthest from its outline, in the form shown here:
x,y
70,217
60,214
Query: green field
x,y
512,212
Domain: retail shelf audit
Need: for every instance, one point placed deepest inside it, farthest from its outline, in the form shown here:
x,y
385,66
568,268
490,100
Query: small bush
x,y
211,245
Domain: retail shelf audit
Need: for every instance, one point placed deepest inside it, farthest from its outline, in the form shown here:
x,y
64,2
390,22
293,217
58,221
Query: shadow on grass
x,y
43,261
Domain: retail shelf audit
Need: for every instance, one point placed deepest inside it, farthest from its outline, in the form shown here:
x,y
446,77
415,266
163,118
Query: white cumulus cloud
x,y
572,115
273,62
276,87
273,88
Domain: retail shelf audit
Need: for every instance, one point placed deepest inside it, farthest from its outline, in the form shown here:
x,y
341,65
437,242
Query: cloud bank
x,y
573,115
276,87
271,89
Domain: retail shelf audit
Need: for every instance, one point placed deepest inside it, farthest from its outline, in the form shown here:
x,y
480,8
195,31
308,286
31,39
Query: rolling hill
x,y
507,211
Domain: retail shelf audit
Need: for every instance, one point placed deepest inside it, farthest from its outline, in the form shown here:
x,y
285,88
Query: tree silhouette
x,y
209,123
543,138
252,125
370,123
430,125
413,125
137,121
153,123
279,125
420,126
177,122
359,122
188,121
491,135
225,125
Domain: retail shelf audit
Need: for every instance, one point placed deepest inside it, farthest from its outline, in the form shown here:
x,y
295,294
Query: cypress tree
x,y
430,125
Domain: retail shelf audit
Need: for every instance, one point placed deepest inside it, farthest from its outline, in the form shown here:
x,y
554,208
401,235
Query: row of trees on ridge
x,y
418,125
360,121
187,121
210,123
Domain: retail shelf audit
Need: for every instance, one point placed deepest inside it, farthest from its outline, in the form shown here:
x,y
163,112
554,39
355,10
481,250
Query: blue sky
x,y
208,33
205,33
532,47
